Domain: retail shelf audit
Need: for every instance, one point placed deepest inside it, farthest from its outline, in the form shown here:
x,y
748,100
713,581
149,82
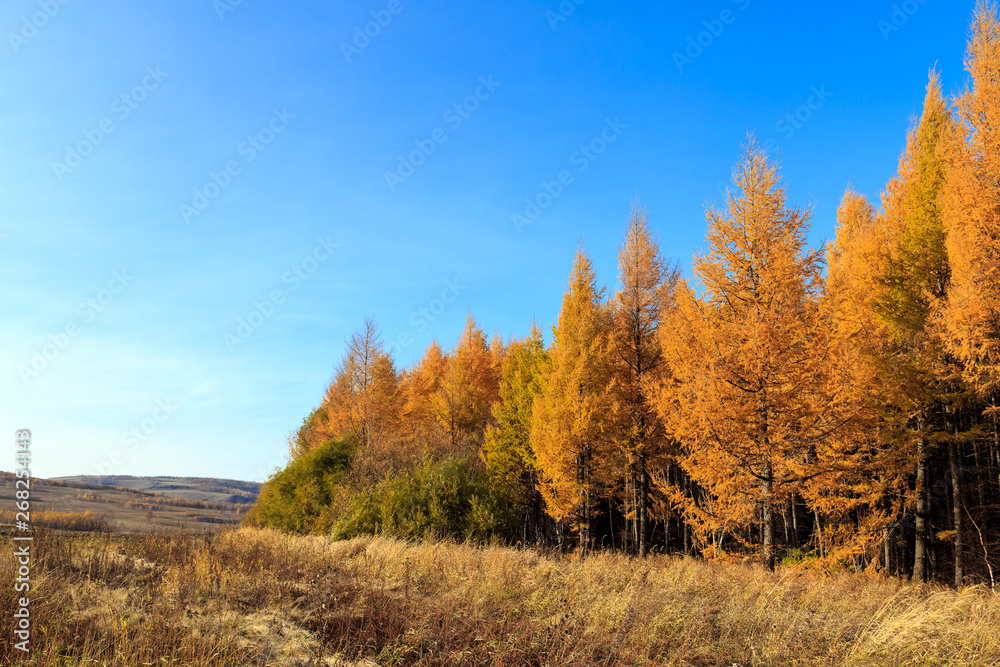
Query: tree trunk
x,y
583,512
768,518
956,493
524,530
795,522
537,514
643,503
819,534
785,521
920,543
634,510
611,524
689,492
667,519
978,468
767,481
887,550
996,442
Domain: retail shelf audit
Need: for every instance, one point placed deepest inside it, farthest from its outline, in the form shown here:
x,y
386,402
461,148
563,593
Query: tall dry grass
x,y
254,597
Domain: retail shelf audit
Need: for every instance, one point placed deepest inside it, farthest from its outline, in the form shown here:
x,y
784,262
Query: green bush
x,y
300,498
447,498
799,556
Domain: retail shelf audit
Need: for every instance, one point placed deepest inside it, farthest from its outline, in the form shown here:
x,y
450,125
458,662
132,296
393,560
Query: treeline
x,y
836,405
147,500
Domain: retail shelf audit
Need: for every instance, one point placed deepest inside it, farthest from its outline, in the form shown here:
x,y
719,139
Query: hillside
x,y
189,488
201,506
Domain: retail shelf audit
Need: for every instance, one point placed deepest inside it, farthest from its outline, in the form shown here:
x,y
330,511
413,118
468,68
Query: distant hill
x,y
207,489
129,504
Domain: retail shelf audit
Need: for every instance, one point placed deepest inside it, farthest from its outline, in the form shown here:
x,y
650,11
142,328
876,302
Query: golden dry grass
x,y
84,521
254,597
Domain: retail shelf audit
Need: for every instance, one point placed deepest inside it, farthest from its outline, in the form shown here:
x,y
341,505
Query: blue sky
x,y
170,169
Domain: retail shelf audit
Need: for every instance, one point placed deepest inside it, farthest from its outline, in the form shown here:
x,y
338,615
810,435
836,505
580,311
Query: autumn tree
x,y
569,420
854,265
468,388
865,493
746,356
498,354
420,433
507,449
636,359
422,382
361,401
313,432
914,281
971,210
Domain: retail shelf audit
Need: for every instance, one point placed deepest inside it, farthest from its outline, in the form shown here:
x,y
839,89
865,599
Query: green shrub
x,y
447,498
799,556
301,497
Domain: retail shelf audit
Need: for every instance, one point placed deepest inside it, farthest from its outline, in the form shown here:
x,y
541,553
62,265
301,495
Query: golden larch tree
x,y
636,360
421,433
569,433
859,501
971,210
915,278
747,361
468,388
507,449
361,401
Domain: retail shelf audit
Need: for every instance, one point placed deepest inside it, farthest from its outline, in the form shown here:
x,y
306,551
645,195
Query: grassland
x,y
59,504
252,597
185,488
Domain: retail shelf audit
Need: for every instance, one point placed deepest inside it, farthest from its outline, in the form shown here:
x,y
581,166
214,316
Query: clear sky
x,y
169,169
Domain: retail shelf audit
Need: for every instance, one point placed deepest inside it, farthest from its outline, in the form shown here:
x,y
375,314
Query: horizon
x,y
196,224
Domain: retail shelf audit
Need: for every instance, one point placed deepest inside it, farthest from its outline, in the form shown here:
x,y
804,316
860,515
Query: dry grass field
x,y
186,488
58,503
251,597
